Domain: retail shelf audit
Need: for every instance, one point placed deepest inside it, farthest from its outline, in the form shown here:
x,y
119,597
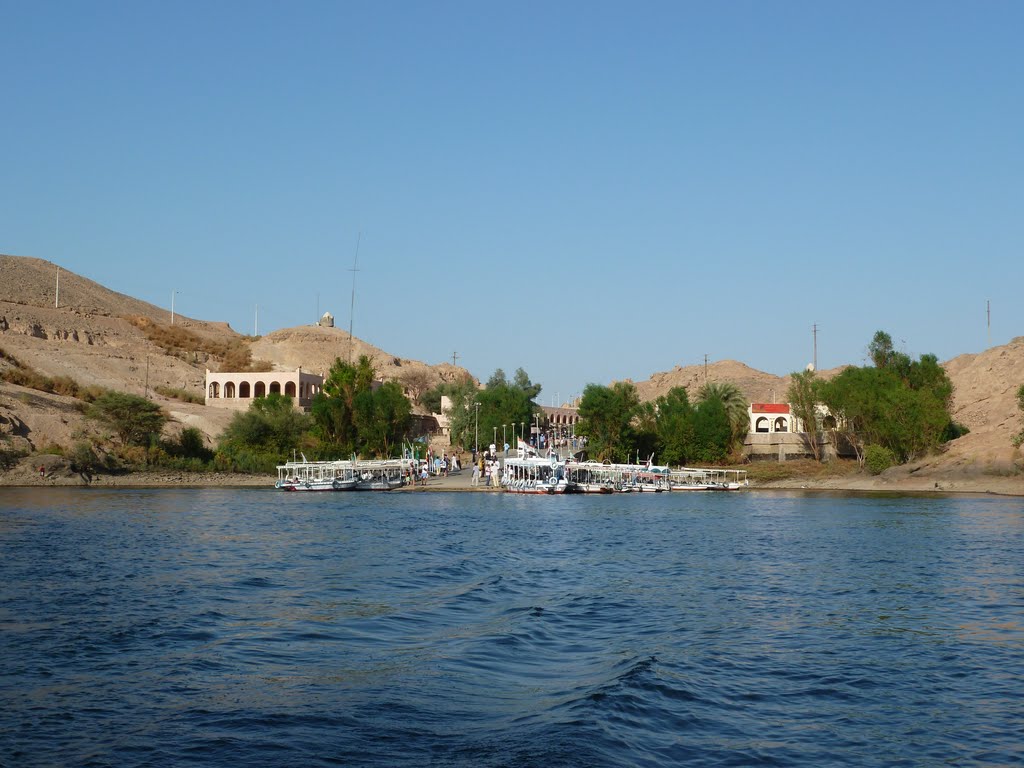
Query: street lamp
x,y
172,305
476,441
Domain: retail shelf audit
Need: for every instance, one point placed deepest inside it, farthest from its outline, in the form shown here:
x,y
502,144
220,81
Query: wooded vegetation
x,y
898,404
350,416
620,428
1018,439
490,412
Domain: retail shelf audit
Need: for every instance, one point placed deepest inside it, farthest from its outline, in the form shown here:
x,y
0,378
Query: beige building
x,y
237,390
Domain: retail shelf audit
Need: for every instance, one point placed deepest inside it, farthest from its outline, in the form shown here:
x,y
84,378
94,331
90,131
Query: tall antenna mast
x,y
352,306
814,330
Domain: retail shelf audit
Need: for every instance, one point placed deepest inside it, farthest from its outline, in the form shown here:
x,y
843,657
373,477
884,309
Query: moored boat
x,y
352,475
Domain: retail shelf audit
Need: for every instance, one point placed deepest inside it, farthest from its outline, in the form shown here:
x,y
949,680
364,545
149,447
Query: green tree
x,y
501,406
135,420
899,404
258,439
675,427
1018,439
733,402
803,396
381,418
606,414
333,409
461,414
713,432
521,381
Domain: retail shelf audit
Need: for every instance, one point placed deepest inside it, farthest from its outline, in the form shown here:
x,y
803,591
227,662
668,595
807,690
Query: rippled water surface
x,y
225,627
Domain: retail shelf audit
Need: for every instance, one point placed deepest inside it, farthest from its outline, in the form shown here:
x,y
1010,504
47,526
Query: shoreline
x,y
992,485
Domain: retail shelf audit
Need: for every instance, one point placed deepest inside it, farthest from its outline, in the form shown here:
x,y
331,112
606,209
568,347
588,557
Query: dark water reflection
x,y
253,628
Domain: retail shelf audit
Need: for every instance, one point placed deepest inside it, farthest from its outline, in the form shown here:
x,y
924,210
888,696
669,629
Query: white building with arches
x,y
238,390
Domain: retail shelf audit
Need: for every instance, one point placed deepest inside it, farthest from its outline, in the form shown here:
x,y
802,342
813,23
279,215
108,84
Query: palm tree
x,y
735,404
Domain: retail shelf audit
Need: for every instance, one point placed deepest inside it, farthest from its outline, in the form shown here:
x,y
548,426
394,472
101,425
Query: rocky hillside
x,y
98,337
756,386
984,401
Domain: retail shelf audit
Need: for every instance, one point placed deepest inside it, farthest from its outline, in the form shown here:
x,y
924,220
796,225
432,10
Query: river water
x,y
248,627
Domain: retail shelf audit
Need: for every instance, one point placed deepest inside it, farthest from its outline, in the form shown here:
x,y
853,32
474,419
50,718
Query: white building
x,y
238,390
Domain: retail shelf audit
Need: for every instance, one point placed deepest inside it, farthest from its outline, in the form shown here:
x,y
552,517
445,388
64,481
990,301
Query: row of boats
x,y
522,474
534,474
353,475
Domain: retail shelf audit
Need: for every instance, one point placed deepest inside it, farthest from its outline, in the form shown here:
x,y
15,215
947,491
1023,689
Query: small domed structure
x,y
327,321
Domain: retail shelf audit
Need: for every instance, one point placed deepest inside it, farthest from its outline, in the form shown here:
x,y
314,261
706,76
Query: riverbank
x,y
898,480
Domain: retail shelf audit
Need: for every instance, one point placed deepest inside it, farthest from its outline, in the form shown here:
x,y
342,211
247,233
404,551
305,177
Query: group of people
x,y
487,467
439,466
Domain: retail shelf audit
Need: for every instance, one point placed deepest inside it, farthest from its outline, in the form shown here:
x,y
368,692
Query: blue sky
x,y
590,191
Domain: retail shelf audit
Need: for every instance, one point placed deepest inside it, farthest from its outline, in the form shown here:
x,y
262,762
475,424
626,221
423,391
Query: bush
x,y
877,459
180,394
83,458
234,354
9,456
135,419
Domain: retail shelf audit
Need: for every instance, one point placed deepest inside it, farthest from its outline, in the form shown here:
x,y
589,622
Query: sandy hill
x,y
756,386
98,337
984,400
314,348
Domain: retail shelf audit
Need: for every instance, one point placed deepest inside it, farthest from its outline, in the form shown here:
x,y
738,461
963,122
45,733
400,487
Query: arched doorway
x,y
214,389
229,389
259,389
243,389
782,424
289,389
761,425
275,388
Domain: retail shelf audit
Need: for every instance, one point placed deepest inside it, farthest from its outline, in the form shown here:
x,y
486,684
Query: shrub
x,y
9,456
877,459
234,354
83,457
135,419
180,394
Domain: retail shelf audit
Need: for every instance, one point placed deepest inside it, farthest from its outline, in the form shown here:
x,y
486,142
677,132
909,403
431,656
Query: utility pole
x,y
988,315
705,369
352,306
476,441
455,356
814,359
56,295
256,322
172,306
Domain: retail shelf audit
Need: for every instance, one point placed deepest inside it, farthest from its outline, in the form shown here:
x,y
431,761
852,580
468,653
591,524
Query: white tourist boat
x,y
697,479
383,475
349,475
605,477
535,474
